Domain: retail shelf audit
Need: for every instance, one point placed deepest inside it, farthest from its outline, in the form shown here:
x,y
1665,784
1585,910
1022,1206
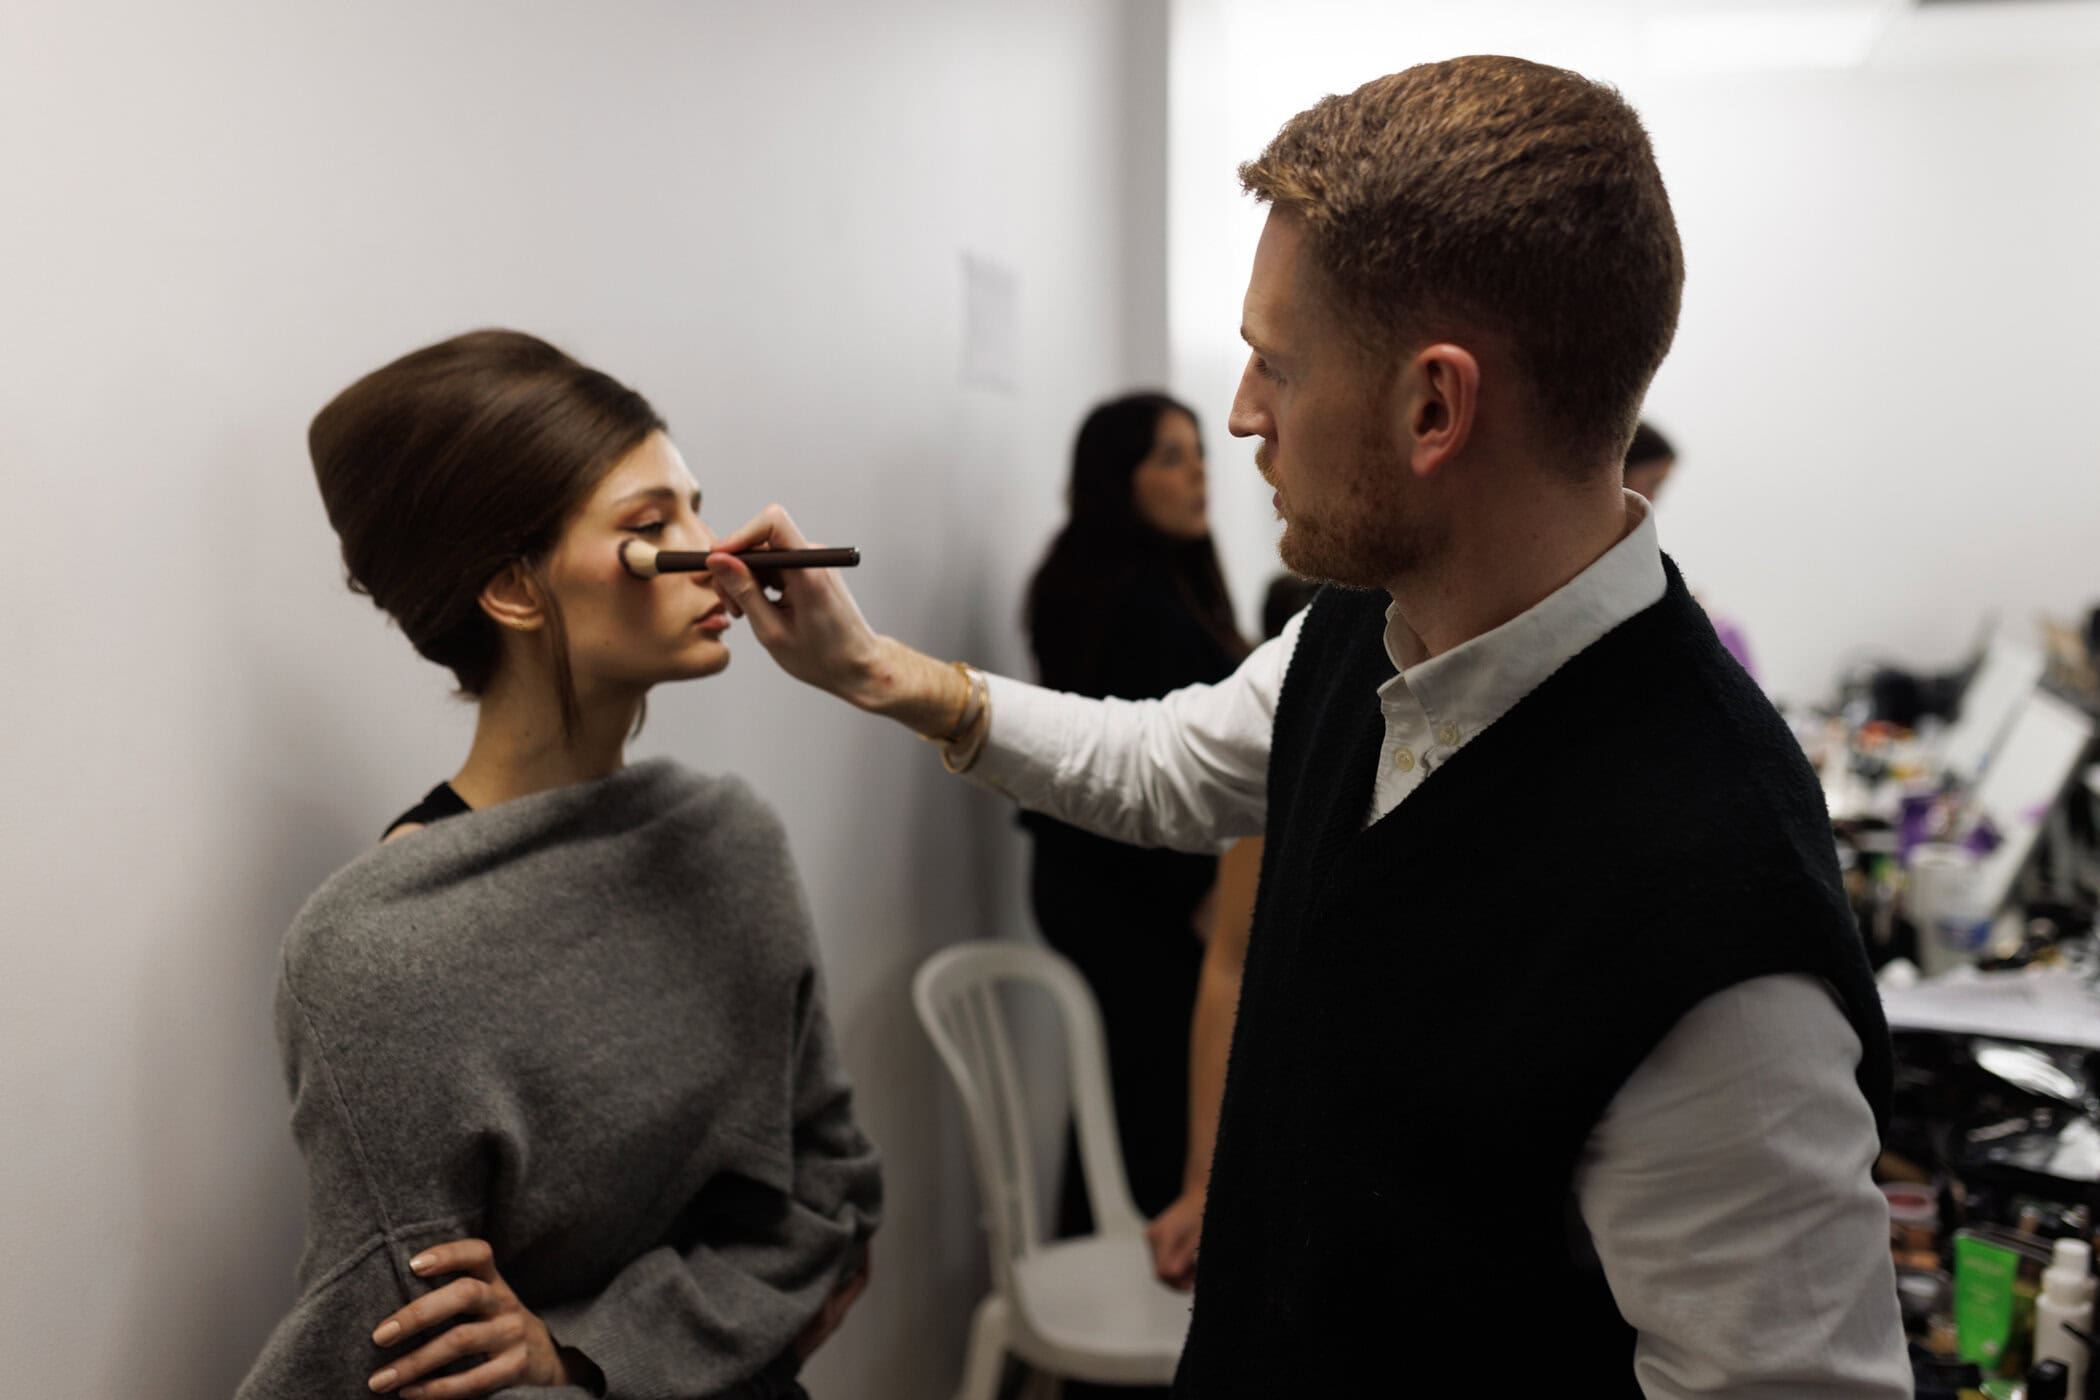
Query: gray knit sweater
x,y
586,1025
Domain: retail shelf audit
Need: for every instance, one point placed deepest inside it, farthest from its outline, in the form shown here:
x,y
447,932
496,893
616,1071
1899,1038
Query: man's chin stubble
x,y
1313,555
1304,556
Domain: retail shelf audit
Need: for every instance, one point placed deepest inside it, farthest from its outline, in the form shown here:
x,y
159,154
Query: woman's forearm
x,y
1217,1004
1210,1038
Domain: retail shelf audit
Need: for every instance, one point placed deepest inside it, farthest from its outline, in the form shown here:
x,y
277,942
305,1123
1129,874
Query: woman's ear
x,y
512,600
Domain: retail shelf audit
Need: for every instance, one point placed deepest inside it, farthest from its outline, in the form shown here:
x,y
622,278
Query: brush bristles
x,y
638,558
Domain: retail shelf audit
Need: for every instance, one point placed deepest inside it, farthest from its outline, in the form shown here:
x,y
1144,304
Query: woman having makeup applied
x,y
560,1068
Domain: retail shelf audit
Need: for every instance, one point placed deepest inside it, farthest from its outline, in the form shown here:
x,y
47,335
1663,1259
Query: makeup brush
x,y
645,560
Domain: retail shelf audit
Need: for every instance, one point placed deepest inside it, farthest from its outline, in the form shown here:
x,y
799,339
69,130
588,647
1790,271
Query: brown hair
x,y
457,461
1496,195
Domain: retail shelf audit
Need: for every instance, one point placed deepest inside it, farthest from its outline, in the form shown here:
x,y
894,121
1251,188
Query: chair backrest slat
x,y
1015,1122
957,996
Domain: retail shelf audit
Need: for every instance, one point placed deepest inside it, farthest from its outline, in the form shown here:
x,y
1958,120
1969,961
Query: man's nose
x,y
1247,418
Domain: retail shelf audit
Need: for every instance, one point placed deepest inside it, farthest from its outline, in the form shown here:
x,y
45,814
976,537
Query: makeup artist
x,y
1545,999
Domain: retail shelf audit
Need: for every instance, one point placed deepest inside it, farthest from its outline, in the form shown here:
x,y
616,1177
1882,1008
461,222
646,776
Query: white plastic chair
x,y
1087,1309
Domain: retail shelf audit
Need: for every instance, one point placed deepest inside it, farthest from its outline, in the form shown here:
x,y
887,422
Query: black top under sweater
x,y
1438,1008
439,803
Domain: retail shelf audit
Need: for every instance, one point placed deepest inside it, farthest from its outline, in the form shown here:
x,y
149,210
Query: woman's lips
x,y
715,619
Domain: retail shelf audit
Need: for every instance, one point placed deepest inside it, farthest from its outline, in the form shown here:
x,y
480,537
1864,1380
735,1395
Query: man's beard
x,y
1369,537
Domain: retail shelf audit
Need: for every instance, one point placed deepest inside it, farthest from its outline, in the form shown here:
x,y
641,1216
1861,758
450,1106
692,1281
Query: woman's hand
x,y
833,1312
814,629
1174,1235
481,1318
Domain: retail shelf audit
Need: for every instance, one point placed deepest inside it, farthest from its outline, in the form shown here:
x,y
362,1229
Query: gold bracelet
x,y
969,676
961,755
962,711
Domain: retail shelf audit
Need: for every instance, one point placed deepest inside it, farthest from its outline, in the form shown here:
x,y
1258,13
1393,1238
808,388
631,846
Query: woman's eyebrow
x,y
655,493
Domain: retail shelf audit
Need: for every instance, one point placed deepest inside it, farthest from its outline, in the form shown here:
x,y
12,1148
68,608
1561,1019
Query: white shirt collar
x,y
1477,682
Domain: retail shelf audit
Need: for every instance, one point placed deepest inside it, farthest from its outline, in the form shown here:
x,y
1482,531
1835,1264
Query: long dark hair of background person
x,y
1119,608
1110,577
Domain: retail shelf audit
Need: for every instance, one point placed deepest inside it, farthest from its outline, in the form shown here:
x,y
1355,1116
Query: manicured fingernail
x,y
387,1333
383,1380
420,1263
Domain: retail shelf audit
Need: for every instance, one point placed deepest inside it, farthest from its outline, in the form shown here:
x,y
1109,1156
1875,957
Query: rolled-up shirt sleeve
x,y
1189,771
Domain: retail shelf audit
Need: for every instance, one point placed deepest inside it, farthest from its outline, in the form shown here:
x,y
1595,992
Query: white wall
x,y
1882,379
216,215
1884,384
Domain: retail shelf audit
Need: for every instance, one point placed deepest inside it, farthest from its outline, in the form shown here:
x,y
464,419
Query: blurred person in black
x,y
1650,459
1176,1232
1129,602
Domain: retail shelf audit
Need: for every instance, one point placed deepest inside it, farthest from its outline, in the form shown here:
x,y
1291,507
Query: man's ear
x,y
1440,400
512,599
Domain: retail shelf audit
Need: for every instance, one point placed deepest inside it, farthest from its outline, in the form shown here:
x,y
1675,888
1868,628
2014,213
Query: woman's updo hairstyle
x,y
456,461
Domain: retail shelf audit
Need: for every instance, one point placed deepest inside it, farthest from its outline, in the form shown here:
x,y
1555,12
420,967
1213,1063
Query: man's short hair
x,y
1499,196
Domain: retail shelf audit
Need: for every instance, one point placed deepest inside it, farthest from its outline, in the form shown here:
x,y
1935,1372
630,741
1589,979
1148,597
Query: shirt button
x,y
1404,760
1448,736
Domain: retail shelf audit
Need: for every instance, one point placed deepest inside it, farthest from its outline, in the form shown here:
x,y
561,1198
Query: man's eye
x,y
1261,367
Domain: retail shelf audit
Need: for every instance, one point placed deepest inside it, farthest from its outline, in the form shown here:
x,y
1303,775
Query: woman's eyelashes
x,y
652,528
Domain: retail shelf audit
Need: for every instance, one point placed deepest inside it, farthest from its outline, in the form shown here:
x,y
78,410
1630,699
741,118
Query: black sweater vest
x,y
1438,1008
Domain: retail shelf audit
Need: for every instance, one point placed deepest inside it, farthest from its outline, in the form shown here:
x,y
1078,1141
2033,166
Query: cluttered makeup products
x,y
645,560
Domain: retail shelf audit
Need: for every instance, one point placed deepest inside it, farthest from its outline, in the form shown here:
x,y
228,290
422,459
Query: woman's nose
x,y
704,542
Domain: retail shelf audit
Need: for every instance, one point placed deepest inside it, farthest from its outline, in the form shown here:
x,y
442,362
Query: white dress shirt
x,y
1727,1186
